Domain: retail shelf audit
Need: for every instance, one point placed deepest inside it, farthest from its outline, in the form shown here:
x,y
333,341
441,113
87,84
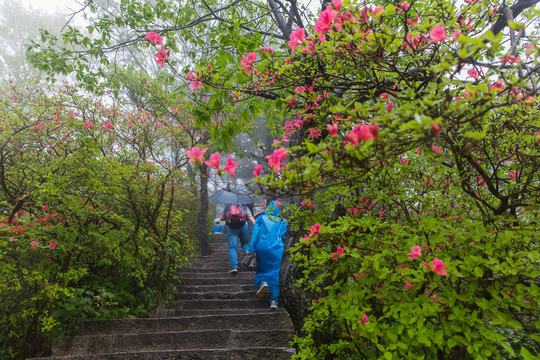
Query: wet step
x,y
164,313
214,304
228,280
202,339
250,353
213,294
217,275
267,320
184,289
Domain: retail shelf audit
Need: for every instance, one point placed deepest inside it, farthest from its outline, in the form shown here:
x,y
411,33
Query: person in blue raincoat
x,y
267,243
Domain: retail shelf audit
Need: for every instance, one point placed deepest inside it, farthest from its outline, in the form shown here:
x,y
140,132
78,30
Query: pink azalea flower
x,y
456,34
529,49
437,34
340,251
365,319
439,267
337,4
322,25
363,132
314,229
436,129
246,64
498,85
389,106
332,129
52,245
377,10
277,203
436,149
257,171
108,125
405,5
214,160
512,175
195,154
44,207
275,159
416,251
408,285
196,85
162,56
230,167
88,125
307,203
314,133
296,38
473,73
252,57
153,38
34,244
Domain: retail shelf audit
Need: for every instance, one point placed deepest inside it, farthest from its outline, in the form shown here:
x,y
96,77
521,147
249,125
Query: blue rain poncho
x,y
267,242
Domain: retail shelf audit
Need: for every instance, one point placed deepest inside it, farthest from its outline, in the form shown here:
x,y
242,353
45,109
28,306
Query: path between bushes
x,y
215,315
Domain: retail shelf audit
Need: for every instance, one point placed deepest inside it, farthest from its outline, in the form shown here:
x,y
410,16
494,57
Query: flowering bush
x,y
415,137
410,138
93,216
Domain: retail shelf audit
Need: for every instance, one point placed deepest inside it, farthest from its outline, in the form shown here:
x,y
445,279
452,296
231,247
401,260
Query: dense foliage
x,y
410,138
95,217
418,175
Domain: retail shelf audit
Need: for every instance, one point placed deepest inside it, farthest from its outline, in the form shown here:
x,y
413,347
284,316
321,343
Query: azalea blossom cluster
x,y
247,63
195,154
162,55
437,266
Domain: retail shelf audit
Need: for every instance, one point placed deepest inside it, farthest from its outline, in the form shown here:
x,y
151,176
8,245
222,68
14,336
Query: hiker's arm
x,y
222,217
251,219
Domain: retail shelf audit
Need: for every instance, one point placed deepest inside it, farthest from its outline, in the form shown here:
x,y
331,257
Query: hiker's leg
x,y
232,238
244,238
274,292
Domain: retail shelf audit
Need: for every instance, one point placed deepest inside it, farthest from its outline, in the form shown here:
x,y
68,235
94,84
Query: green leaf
x,y
312,148
527,355
508,348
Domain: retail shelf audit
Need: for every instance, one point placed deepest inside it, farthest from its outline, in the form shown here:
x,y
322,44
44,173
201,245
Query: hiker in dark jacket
x,y
237,228
267,244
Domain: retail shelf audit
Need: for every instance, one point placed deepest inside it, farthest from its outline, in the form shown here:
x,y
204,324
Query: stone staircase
x,y
215,316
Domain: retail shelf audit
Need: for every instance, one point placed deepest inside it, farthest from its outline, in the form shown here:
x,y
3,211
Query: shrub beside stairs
x,y
215,316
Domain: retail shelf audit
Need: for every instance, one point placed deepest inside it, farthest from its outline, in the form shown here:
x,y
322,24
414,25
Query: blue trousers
x,y
232,238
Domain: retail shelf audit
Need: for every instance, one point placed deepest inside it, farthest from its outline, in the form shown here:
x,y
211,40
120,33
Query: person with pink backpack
x,y
236,218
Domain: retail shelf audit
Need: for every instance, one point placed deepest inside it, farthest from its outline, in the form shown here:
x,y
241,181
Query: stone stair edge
x,y
163,353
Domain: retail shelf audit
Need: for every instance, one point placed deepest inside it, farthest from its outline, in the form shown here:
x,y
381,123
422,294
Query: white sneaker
x,y
273,305
233,270
262,289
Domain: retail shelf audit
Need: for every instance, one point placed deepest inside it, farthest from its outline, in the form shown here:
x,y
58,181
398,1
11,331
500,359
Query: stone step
x,y
228,280
224,288
216,275
219,267
248,353
211,294
166,313
203,339
215,304
266,320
